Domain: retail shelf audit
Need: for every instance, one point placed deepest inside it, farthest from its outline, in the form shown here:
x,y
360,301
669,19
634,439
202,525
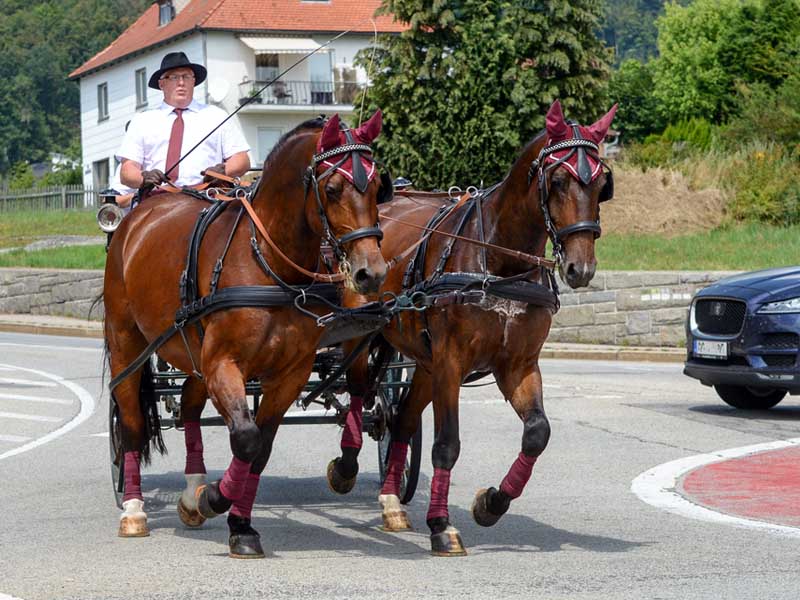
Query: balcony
x,y
305,95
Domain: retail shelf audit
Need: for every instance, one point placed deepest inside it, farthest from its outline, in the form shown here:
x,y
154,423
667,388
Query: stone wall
x,y
67,293
634,308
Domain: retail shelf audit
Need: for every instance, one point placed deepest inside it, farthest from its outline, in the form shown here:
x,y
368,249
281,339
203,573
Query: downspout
x,y
205,62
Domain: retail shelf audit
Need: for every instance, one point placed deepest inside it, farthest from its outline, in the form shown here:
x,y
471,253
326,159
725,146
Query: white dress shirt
x,y
147,140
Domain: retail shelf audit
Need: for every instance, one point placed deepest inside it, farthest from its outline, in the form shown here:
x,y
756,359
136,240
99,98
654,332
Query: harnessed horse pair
x,y
486,312
480,312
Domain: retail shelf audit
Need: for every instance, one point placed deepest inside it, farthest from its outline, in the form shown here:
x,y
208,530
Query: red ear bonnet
x,y
558,130
333,137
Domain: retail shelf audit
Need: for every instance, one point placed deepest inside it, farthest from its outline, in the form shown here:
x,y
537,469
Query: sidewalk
x,y
50,325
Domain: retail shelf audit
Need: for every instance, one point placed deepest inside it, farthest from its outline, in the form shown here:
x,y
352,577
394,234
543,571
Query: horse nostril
x,y
571,272
362,276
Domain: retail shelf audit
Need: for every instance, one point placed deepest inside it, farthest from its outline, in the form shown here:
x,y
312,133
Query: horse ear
x,y
371,129
330,134
555,123
598,130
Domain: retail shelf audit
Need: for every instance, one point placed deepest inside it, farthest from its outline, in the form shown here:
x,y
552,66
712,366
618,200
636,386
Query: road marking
x,y
87,408
103,434
7,597
16,439
657,487
24,417
35,399
27,382
51,348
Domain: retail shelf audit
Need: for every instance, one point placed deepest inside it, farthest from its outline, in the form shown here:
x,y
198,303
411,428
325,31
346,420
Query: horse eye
x,y
332,191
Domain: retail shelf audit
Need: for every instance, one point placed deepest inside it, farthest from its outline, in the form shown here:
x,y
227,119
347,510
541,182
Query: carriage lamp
x,y
791,305
110,214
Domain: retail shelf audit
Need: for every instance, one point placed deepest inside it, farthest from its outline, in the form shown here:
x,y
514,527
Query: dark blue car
x,y
743,335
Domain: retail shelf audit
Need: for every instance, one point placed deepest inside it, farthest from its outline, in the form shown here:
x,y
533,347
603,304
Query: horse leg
x,y
225,383
342,471
445,539
244,540
193,401
394,515
123,348
524,391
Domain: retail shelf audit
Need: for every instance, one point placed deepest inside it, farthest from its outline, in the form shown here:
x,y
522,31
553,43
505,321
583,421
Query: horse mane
x,y
314,124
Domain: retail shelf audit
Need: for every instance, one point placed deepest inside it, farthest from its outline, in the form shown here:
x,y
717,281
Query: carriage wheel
x,y
392,397
117,456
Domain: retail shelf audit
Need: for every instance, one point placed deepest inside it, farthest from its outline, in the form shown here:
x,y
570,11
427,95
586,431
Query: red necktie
x,y
175,142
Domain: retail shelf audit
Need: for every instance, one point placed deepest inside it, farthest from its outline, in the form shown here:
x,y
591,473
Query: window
x,y
102,102
266,67
100,174
166,12
141,87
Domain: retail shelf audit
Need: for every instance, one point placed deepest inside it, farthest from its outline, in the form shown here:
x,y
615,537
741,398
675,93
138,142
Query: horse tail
x,y
148,405
148,402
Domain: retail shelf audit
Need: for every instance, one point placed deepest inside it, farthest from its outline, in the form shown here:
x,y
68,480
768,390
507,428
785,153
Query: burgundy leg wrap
x,y
194,449
351,437
397,464
244,505
133,479
518,476
235,479
440,486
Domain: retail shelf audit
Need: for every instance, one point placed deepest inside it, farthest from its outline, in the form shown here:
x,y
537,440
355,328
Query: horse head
x,y
346,185
572,182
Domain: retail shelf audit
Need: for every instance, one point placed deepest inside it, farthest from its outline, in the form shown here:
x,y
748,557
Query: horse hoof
x,y
337,483
133,521
480,509
189,517
245,545
210,501
394,516
447,543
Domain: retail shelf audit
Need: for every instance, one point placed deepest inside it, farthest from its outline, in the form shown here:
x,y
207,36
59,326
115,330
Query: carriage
x,y
324,401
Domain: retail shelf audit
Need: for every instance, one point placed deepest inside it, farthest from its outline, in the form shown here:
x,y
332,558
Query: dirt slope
x,y
660,202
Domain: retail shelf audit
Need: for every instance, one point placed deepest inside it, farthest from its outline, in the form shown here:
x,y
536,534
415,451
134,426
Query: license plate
x,y
708,349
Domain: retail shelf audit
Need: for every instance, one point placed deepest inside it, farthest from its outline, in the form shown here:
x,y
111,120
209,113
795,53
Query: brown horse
x,y
312,187
553,190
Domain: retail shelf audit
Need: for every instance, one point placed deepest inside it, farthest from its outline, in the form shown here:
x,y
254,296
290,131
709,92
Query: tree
x,y
41,41
470,81
631,86
629,27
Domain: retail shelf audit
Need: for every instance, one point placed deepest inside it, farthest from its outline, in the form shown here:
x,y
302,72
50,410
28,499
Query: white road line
x,y
27,382
16,439
24,417
87,408
35,399
657,487
103,434
51,348
7,597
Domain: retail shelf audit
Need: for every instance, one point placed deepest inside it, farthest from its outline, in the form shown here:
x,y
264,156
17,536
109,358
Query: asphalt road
x,y
577,532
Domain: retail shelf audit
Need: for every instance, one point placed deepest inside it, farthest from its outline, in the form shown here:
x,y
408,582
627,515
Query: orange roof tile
x,y
242,15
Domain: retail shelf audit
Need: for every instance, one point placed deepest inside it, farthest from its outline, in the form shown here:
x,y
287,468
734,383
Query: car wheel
x,y
749,398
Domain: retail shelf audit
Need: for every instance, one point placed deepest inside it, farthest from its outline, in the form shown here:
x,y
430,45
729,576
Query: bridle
x,y
541,170
355,151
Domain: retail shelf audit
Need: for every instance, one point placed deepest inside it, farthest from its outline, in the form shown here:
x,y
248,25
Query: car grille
x,y
780,341
779,360
731,361
719,317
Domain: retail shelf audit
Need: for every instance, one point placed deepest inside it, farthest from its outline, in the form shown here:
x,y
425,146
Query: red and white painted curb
x,y
732,491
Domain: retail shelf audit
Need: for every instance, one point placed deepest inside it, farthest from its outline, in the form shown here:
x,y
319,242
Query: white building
x,y
243,44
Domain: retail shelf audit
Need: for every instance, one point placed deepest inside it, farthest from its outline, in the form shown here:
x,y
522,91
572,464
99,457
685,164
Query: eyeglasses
x,y
175,78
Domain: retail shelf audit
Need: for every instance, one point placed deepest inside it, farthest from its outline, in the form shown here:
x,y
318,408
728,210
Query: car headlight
x,y
792,305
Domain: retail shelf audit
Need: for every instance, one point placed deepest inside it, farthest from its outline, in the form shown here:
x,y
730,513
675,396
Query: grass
x,y
736,248
70,257
21,228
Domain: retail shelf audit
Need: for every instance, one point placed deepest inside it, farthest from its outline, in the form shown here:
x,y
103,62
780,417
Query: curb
x,y
71,327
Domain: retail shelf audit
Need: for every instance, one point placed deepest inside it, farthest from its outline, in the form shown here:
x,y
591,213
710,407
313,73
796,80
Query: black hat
x,y
175,60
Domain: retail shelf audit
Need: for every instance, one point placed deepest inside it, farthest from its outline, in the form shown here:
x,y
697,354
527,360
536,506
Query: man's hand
x,y
218,168
150,179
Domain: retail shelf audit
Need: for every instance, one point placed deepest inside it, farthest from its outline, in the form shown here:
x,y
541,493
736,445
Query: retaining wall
x,y
634,308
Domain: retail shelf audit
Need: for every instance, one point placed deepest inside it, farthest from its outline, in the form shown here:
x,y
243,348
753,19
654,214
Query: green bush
x,y
695,132
765,186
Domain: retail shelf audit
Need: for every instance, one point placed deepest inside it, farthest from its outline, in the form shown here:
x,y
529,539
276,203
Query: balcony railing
x,y
301,92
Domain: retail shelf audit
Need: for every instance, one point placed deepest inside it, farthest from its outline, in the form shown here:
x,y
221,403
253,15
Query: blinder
x,y
607,193
386,190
